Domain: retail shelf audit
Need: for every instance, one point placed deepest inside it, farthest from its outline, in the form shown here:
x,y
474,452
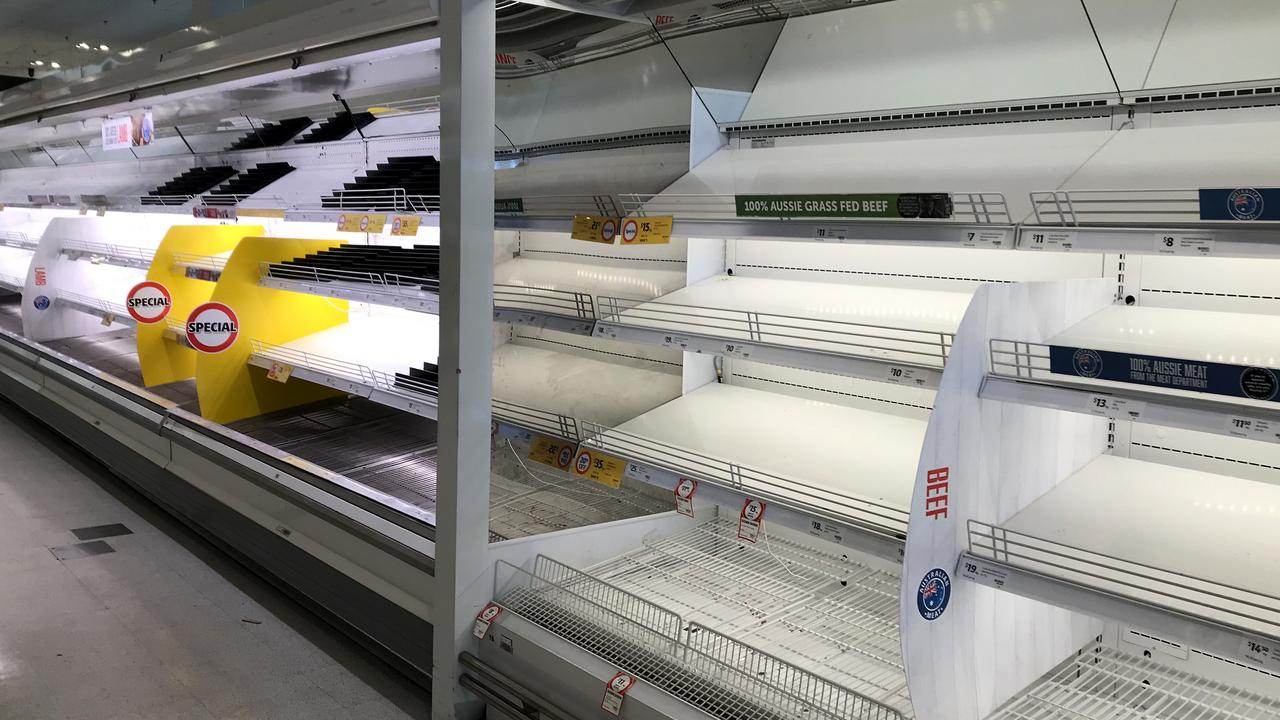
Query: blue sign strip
x,y
1240,204
1256,383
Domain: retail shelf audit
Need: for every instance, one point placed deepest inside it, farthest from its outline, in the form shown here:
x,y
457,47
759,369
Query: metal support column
x,y
464,570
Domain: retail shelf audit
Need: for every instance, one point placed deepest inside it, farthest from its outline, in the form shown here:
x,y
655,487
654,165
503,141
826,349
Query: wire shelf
x,y
821,611
125,255
1018,359
16,239
1244,609
981,208
12,282
95,306
374,200
876,342
545,301
193,261
541,421
347,370
1119,207
565,206
870,516
391,285
710,671
1100,683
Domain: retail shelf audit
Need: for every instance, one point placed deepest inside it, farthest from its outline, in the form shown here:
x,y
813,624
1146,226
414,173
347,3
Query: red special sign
x,y
212,327
149,302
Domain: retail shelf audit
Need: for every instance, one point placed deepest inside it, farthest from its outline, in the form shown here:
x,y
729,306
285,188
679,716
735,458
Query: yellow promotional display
x,y
162,357
228,387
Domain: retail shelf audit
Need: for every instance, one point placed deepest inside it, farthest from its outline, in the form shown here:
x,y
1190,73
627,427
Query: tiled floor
x,y
163,626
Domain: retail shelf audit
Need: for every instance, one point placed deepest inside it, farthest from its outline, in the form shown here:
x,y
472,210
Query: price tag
x,y
647,230
594,228
599,468
1252,428
685,489
366,222
484,619
676,341
615,691
1062,240
738,350
280,372
1197,244
1261,653
750,520
1114,407
902,375
405,225
826,531
984,238
557,453
108,318
979,571
835,233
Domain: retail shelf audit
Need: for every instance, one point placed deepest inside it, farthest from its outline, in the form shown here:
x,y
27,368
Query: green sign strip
x,y
508,205
934,206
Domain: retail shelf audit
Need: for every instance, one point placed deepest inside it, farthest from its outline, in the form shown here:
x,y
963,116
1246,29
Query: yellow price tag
x,y
647,230
594,228
280,372
108,318
600,468
552,451
367,222
405,225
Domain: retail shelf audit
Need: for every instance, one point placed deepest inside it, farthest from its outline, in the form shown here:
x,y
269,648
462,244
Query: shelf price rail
x,y
562,310
122,255
18,239
409,395
402,291
1020,373
1222,619
855,522
873,352
711,671
109,312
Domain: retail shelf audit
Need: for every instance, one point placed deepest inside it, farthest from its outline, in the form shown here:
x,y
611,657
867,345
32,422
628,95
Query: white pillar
x,y
464,571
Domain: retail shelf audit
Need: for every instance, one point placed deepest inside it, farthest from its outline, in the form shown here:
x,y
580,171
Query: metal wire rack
x,y
542,421
1014,358
125,255
211,263
709,670
871,516
1246,609
16,239
821,611
381,200
1100,683
879,342
95,306
346,370
566,303
564,206
1117,207
982,208
369,284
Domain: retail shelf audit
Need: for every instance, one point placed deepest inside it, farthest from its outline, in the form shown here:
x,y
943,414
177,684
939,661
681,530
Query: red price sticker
x,y
615,691
485,618
751,520
684,491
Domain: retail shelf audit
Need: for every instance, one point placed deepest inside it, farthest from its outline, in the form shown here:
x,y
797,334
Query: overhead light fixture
x,y
83,46
37,63
55,65
103,48
131,52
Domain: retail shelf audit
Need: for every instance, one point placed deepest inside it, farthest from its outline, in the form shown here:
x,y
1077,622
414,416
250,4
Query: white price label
x,y
738,349
1061,240
1198,244
984,238
978,571
826,531
824,233
1114,407
1262,653
902,375
676,341
1253,428
526,318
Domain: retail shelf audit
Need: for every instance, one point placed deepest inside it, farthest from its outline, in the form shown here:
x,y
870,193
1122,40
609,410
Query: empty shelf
x,y
568,289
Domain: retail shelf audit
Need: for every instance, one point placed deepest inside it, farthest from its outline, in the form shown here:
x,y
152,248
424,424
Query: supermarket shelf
x,y
699,665
857,467
1179,552
410,293
12,283
123,255
1165,222
562,310
1100,683
812,607
905,339
18,239
109,312
210,263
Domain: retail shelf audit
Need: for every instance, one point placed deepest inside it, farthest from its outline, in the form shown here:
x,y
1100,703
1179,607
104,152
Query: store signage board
x,y
595,228
599,468
932,206
553,452
212,328
1242,381
362,222
130,131
149,302
1240,204
214,213
647,230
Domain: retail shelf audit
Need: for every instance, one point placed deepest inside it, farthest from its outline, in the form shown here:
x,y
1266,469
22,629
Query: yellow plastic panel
x,y
164,360
228,387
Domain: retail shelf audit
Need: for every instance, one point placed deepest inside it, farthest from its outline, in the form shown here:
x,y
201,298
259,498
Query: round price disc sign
x,y
212,327
630,229
608,229
149,302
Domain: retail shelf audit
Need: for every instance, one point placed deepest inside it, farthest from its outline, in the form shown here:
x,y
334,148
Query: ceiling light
x,y
83,45
103,48
55,65
38,63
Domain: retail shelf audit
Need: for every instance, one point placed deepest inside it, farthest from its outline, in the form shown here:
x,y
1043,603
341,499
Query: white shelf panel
x,y
856,330
1184,553
851,470
578,387
1100,683
559,294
